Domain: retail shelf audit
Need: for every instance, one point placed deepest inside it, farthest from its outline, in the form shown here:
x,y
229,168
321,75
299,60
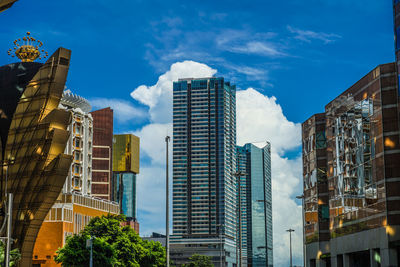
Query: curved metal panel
x,y
37,139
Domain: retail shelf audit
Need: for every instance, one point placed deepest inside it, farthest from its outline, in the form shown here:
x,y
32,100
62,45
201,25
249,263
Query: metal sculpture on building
x,y
34,135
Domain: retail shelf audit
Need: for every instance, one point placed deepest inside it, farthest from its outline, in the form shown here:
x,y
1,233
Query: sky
x,y
287,58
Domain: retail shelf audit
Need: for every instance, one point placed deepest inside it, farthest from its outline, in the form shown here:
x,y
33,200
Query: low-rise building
x,y
68,216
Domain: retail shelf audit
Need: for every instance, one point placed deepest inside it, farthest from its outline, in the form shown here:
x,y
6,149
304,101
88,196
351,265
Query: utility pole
x,y
167,139
304,236
290,238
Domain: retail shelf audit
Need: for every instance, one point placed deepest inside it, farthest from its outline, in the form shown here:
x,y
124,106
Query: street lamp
x,y
304,236
89,244
167,139
290,238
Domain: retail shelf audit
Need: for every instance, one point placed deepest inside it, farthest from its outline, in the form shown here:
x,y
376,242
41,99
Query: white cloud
x,y
124,111
152,141
259,118
307,35
159,96
258,48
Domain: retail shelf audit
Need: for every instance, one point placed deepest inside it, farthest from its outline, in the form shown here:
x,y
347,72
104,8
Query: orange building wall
x,y
51,236
49,239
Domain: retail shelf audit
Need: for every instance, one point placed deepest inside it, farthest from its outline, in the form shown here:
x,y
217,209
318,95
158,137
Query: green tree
x,y
199,261
128,248
76,254
15,256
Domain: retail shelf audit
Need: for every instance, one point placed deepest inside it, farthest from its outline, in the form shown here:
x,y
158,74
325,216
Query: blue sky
x,y
297,55
120,45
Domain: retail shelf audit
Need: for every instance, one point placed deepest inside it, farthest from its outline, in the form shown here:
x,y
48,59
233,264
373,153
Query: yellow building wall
x,y
51,235
49,239
126,153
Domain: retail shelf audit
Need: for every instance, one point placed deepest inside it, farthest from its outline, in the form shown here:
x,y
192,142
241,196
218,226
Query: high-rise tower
x,y
255,198
125,169
204,163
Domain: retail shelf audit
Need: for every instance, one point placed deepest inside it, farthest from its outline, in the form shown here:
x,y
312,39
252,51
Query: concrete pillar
x,y
334,261
388,257
346,260
372,260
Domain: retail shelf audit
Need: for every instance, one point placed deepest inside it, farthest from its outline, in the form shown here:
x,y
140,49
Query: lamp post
x,y
290,240
167,139
304,236
89,244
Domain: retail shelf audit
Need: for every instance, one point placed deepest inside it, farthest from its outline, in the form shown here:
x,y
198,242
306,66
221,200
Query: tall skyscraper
x,y
255,199
125,169
102,152
351,157
204,163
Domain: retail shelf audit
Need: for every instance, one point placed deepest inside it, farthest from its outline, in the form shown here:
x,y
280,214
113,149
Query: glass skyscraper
x,y
254,187
204,163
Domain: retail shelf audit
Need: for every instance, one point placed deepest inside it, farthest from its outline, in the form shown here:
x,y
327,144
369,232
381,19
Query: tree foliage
x,y
75,253
15,255
121,245
199,261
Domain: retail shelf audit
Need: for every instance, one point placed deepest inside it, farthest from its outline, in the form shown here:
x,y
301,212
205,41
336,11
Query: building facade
x,y
68,216
75,206
204,163
102,152
315,184
255,205
125,168
357,163
33,138
79,144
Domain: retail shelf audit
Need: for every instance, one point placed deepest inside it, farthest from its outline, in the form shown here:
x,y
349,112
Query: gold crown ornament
x,y
28,49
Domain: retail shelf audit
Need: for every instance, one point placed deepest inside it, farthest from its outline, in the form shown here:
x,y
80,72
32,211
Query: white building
x,y
79,144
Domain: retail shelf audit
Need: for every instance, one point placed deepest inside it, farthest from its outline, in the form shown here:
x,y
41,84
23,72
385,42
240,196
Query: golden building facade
x,y
34,136
126,153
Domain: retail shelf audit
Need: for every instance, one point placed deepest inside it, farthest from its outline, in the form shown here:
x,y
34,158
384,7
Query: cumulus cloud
x,y
259,118
124,111
158,97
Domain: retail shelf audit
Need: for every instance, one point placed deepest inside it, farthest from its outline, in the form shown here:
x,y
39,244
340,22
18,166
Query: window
x,y
77,142
76,168
77,127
